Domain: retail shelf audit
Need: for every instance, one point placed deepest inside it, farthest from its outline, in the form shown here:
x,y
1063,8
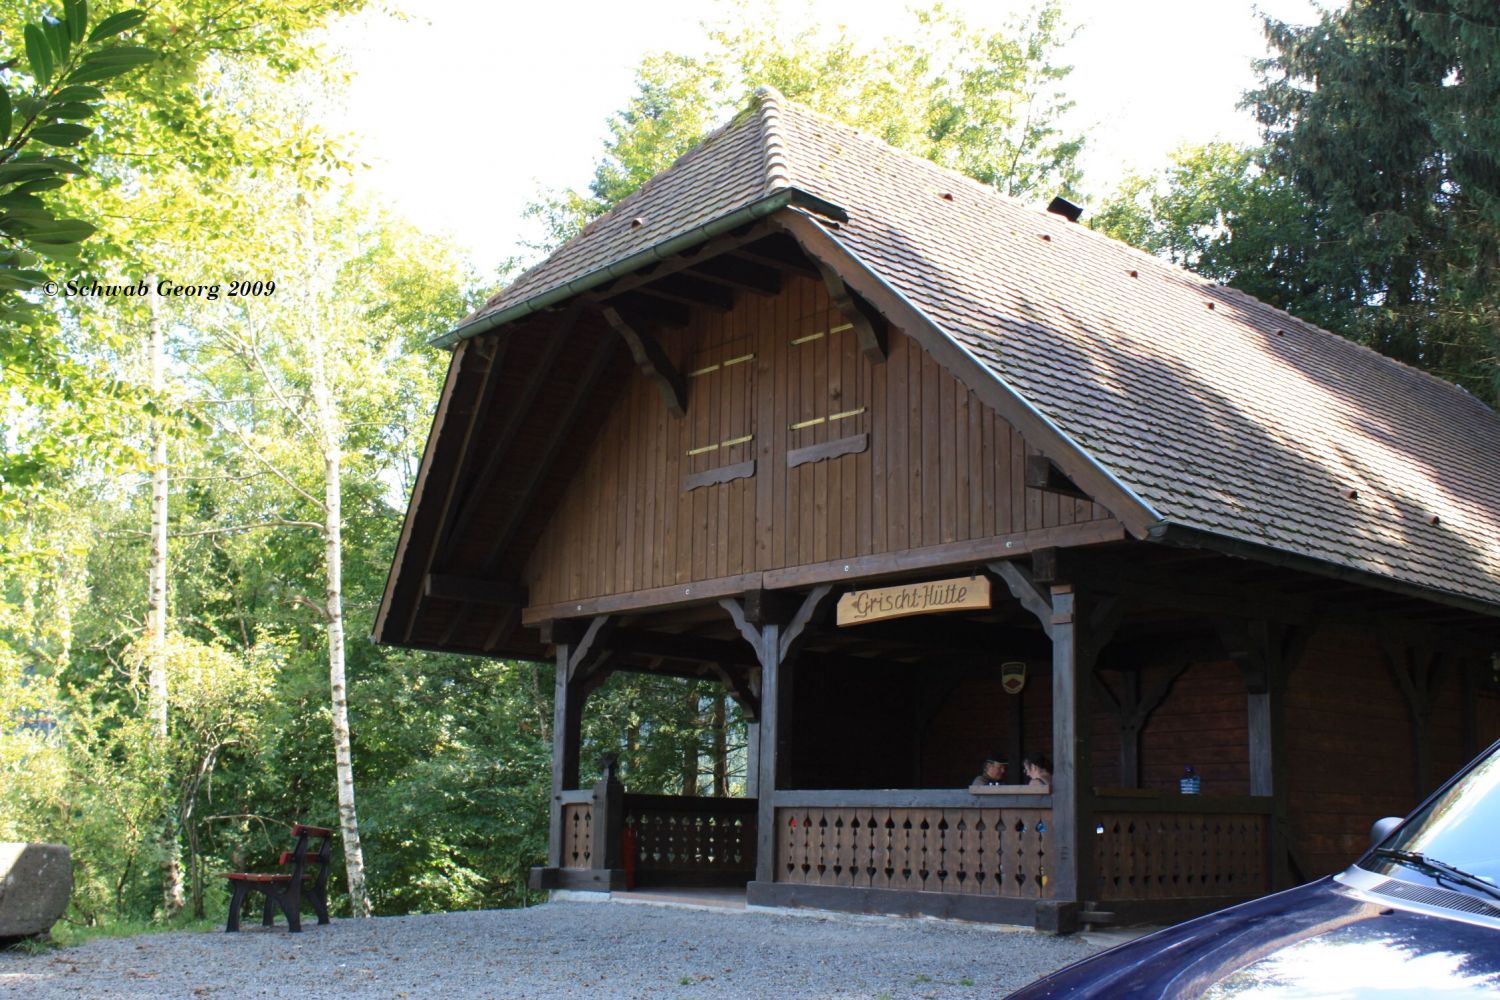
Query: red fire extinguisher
x,y
627,838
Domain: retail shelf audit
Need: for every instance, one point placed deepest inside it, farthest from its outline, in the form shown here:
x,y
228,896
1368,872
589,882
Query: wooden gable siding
x,y
773,377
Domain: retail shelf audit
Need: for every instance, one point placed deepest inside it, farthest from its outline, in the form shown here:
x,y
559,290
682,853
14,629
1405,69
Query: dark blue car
x,y
1417,916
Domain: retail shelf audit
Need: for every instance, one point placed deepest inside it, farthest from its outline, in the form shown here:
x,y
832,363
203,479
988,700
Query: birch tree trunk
x,y
332,450
156,607
721,744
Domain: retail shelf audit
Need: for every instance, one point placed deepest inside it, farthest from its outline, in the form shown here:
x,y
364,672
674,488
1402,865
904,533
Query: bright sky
x,y
465,109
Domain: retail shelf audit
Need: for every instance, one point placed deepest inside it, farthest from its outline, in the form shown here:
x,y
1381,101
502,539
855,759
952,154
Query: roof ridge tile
x,y
778,175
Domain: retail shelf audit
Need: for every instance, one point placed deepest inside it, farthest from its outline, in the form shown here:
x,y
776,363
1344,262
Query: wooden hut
x,y
916,471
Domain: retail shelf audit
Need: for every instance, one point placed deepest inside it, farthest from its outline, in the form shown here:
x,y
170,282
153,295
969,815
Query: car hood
x,y
1320,940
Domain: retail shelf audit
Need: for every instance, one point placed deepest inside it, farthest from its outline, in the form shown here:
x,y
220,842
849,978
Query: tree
x,y
1373,207
986,103
1382,116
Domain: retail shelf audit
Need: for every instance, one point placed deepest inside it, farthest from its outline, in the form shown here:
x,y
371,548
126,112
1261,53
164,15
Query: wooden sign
x,y
960,594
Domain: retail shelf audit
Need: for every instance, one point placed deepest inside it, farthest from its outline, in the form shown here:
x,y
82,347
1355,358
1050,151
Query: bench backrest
x,y
320,856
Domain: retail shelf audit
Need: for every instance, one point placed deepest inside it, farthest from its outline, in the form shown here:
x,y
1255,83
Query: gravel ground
x,y
562,949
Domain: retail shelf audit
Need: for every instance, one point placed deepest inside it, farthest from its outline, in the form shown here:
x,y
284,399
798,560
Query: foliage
x,y
987,103
66,61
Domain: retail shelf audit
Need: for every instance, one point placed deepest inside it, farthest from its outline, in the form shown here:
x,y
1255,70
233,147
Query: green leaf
x,y
70,112
57,38
78,18
106,65
20,199
61,134
36,187
25,170
4,115
69,94
62,166
63,231
116,23
38,53
21,281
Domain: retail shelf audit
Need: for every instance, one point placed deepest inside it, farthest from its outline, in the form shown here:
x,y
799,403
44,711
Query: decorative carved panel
x,y
682,835
974,851
1180,855
577,835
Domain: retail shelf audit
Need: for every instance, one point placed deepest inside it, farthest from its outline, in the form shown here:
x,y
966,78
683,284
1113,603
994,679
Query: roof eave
x,y
1185,536
776,201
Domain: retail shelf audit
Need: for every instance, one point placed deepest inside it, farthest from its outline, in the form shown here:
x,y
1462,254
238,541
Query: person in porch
x,y
993,771
1038,769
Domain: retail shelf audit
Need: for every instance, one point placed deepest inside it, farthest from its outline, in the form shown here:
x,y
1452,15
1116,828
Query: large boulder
x,y
36,881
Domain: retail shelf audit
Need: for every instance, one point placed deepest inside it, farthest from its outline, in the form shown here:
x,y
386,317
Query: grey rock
x,y
36,882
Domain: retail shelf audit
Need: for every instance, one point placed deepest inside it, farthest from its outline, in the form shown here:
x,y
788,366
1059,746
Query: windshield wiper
x,y
1440,870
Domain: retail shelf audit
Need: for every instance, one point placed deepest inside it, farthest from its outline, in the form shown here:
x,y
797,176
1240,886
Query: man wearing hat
x,y
994,770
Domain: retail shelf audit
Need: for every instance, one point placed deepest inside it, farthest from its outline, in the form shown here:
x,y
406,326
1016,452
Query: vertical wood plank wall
x,y
771,376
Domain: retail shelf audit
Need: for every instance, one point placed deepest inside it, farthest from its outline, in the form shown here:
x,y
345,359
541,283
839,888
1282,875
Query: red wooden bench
x,y
308,880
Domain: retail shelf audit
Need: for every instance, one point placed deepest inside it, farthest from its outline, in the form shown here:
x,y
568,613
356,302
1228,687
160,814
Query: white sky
x,y
465,109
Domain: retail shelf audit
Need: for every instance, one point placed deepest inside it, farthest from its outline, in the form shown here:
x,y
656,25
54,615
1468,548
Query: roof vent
x,y
1065,208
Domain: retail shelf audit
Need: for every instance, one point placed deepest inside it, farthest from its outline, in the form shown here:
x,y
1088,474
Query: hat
x,y
995,757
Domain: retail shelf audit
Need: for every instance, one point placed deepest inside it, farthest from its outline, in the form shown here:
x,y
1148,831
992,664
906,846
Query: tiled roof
x,y
1218,411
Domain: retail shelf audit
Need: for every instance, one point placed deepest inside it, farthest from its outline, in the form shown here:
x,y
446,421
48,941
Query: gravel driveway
x,y
562,949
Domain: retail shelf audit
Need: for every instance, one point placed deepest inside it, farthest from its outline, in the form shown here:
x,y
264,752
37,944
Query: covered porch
x,y
863,740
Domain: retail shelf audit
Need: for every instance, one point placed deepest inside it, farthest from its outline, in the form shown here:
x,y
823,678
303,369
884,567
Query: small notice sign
x,y
960,594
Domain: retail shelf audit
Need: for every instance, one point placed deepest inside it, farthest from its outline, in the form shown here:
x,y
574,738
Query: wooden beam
x,y
495,593
477,414
1024,589
869,326
958,556
690,291
497,448
652,360
647,309
595,638
583,393
1043,474
692,259
743,274
780,252
765,606
775,647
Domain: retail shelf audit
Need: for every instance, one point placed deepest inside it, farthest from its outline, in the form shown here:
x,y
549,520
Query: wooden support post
x,y
567,718
609,818
1072,820
1418,675
1266,653
1468,707
577,653
1079,624
775,646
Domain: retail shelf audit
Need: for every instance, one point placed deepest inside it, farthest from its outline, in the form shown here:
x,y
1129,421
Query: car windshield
x,y
1458,827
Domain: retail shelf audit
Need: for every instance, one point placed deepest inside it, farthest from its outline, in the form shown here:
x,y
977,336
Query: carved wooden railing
x,y
881,840
686,840
1181,847
578,832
